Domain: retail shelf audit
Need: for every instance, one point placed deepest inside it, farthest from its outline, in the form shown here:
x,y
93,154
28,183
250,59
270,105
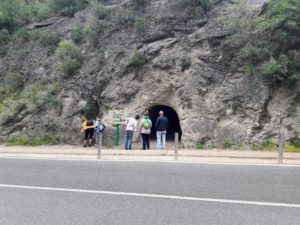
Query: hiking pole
x,y
99,146
176,147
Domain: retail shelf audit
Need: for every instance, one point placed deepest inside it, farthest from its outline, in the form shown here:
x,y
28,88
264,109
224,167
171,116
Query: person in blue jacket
x,y
161,126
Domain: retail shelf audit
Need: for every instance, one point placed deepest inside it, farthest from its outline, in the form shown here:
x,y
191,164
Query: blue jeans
x,y
128,139
161,139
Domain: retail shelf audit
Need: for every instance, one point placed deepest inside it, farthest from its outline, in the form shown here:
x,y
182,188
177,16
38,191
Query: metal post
x,y
99,146
281,148
176,147
117,135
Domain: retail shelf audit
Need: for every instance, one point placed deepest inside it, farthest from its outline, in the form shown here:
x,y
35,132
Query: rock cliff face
x,y
188,66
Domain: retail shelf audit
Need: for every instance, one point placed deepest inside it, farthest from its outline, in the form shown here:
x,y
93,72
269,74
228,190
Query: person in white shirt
x,y
131,125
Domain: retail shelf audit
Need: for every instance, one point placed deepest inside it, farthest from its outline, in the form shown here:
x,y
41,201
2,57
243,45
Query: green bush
x,y
14,82
139,24
90,109
77,35
48,39
8,109
267,145
296,142
200,144
47,139
21,35
100,10
185,64
227,144
138,59
34,95
141,3
274,40
195,7
56,103
68,7
70,57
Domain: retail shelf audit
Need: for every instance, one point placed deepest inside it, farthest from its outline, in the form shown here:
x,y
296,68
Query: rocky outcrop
x,y
215,99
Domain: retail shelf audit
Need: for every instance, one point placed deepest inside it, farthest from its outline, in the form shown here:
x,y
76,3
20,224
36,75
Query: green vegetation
x,y
100,10
15,13
77,35
141,3
267,145
31,97
47,139
70,57
295,142
138,59
185,64
90,109
200,144
139,24
13,82
195,7
270,43
227,144
48,39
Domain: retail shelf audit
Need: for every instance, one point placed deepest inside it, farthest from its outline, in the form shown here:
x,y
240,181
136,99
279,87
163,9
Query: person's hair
x,y
137,117
161,112
146,113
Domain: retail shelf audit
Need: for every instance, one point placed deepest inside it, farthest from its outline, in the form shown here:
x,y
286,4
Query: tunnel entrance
x,y
174,123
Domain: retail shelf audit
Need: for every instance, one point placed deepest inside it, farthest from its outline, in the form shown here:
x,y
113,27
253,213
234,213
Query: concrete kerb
x,y
213,155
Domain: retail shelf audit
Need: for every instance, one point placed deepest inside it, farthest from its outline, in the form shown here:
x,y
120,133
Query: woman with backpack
x,y
146,125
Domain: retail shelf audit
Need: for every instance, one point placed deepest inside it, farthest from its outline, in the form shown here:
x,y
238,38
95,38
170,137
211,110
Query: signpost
x,y
116,117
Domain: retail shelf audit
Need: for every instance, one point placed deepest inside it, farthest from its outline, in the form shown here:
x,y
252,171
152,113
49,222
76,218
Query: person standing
x,y
88,129
146,125
161,126
99,128
131,125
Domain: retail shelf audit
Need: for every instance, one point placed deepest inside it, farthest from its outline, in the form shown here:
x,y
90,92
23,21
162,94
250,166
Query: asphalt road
x,y
50,192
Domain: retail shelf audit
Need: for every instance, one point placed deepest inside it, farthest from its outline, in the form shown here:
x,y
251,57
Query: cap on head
x,y
146,113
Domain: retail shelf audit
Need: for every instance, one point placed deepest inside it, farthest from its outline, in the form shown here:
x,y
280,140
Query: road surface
x,y
66,192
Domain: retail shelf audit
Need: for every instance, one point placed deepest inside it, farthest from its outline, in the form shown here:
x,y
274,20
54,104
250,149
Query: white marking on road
x,y
156,161
185,198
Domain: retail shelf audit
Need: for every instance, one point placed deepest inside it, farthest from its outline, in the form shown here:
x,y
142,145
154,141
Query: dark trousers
x,y
88,133
146,142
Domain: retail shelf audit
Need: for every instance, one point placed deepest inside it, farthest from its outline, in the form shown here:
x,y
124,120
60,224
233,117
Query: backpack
x,y
89,123
146,123
100,127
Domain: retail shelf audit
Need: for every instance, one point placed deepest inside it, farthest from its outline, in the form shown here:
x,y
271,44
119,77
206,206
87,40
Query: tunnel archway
x,y
174,122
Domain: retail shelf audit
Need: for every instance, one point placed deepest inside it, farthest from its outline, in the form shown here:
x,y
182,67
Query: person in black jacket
x,y
161,126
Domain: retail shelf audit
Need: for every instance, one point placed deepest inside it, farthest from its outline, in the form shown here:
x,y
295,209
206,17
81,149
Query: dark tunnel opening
x,y
174,122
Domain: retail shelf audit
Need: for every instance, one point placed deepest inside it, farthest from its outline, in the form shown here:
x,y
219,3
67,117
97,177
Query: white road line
x,y
273,204
157,161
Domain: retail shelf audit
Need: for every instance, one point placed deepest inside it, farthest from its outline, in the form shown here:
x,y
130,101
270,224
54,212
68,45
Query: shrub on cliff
x,y
138,59
271,41
195,7
70,57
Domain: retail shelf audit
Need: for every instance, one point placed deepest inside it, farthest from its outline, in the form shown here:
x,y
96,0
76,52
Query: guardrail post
x,y
280,149
176,147
99,146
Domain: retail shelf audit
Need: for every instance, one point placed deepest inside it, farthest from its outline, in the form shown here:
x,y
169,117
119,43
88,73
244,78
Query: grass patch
x,y
47,139
200,144
291,148
265,146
